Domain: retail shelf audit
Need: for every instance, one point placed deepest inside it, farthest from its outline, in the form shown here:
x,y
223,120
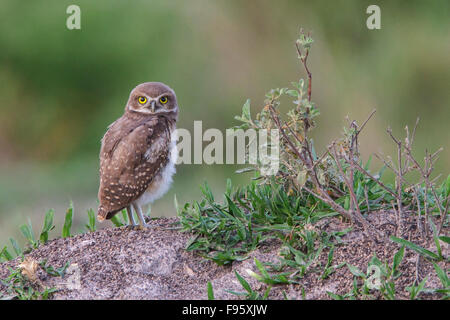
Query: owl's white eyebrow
x,y
156,99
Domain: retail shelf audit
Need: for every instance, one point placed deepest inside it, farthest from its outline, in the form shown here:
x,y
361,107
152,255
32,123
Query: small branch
x,y
381,184
398,179
366,195
358,214
304,59
392,168
419,216
367,120
326,198
428,185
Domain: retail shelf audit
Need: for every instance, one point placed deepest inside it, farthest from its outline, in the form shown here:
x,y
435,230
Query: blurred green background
x,y
60,89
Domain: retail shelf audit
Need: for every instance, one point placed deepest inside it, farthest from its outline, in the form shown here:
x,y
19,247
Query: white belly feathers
x,y
161,183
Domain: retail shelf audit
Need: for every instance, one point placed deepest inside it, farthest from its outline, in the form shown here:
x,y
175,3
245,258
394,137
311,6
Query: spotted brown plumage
x,y
136,156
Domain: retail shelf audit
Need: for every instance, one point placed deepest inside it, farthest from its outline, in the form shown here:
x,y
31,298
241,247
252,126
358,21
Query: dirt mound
x,y
124,263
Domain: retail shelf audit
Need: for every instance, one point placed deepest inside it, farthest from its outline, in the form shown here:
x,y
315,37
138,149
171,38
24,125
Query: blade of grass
x,y
68,222
415,247
210,291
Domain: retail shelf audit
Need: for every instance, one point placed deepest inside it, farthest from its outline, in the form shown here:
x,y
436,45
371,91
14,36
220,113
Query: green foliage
x,y
68,222
90,226
48,226
248,216
250,294
382,280
329,268
416,290
54,272
16,247
210,291
424,252
120,220
4,254
267,278
306,189
27,231
19,286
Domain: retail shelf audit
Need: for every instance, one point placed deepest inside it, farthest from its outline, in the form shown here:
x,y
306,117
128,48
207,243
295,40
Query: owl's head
x,y
153,98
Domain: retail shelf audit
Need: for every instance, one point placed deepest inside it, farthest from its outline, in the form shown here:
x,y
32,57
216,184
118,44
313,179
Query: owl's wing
x,y
129,164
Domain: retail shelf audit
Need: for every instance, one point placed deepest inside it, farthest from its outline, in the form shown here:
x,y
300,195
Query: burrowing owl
x,y
138,153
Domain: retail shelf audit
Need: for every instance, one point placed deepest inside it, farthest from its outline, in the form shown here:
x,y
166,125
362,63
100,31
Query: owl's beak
x,y
152,105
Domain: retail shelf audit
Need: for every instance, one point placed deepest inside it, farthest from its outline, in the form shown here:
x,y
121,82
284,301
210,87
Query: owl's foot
x,y
142,224
132,222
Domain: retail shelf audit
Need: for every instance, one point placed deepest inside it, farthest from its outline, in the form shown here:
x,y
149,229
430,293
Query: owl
x,y
138,152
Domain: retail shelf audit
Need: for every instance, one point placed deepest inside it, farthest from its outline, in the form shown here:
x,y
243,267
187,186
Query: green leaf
x,y
292,93
91,222
415,291
442,276
398,257
262,269
302,177
27,231
415,247
435,237
447,186
245,112
445,239
16,247
210,291
367,165
115,220
48,225
243,282
355,271
68,222
5,253
335,296
229,187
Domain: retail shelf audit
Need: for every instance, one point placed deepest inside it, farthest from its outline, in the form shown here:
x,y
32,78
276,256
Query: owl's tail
x,y
102,213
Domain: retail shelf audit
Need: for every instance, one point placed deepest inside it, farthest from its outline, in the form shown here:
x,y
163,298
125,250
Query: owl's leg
x,y
131,220
140,215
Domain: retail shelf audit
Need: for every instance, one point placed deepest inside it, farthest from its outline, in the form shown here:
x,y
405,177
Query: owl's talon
x,y
144,226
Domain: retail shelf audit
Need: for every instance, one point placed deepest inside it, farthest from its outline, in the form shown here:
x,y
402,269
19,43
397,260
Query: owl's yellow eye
x,y
163,100
142,100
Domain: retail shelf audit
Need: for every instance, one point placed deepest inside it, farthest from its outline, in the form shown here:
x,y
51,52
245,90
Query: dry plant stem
x,y
398,231
357,214
320,159
393,169
398,179
381,184
365,122
425,179
419,216
324,196
304,60
409,142
417,268
276,119
352,145
428,184
366,195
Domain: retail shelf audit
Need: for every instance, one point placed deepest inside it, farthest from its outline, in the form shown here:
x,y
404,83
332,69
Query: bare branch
x,y
367,120
381,184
